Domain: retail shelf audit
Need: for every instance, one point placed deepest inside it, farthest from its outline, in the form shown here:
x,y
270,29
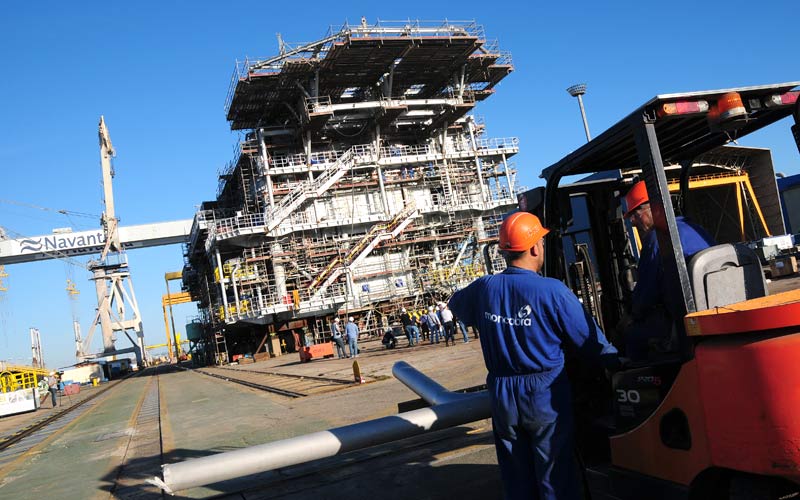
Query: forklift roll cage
x,y
646,140
589,234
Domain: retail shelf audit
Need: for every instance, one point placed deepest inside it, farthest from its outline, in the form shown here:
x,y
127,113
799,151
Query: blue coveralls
x,y
352,338
655,301
524,318
435,326
338,340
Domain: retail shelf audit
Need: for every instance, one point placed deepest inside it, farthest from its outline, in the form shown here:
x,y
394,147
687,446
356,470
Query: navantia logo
x,y
522,318
30,245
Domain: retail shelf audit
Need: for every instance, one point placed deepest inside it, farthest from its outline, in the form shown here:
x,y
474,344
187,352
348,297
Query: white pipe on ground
x,y
462,409
425,387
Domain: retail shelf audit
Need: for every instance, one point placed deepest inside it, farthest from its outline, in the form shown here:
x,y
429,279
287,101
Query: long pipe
x,y
456,409
425,387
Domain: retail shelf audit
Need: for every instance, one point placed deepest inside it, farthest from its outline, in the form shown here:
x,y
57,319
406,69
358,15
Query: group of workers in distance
x,y
438,322
525,319
50,384
348,335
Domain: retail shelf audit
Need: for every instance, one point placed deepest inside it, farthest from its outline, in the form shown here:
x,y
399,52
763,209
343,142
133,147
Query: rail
x,y
320,104
263,387
265,300
9,440
498,143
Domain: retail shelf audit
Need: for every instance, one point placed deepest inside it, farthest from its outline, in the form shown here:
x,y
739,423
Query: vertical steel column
x,y
669,241
265,160
757,206
738,188
509,178
471,128
384,199
222,284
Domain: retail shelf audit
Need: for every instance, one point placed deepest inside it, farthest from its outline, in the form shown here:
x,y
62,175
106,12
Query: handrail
x,y
375,232
319,185
498,143
318,104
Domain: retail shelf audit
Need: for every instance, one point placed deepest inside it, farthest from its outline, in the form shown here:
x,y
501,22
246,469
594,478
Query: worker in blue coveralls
x,y
351,331
654,303
524,318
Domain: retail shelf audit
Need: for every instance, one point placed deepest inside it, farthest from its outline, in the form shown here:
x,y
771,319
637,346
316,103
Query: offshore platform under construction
x,y
361,183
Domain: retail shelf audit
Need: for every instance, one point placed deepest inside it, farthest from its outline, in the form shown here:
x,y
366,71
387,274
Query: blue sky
x,y
159,73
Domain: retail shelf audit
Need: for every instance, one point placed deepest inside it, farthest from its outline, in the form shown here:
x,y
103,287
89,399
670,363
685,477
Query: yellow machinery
x,y
15,377
168,300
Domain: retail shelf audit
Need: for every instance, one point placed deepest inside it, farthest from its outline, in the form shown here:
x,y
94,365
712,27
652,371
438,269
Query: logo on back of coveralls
x,y
522,318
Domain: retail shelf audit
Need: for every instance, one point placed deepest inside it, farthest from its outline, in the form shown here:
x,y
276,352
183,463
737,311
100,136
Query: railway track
x,y
287,385
39,430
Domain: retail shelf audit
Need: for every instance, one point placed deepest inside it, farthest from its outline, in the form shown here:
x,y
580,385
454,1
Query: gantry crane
x,y
111,274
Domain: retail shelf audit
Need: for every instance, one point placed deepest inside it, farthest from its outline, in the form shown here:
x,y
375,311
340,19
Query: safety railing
x,y
403,150
262,301
320,104
241,71
416,27
282,161
16,377
224,228
498,143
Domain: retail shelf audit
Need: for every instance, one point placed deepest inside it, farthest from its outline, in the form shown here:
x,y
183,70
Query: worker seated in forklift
x,y
654,320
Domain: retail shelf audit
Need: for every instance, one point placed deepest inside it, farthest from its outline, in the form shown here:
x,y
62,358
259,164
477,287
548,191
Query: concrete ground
x,y
201,415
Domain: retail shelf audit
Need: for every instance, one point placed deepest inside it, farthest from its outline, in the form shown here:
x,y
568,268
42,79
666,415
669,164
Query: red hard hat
x,y
521,231
635,197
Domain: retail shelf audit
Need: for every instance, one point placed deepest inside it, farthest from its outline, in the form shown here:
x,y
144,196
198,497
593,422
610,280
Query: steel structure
x,y
360,183
112,276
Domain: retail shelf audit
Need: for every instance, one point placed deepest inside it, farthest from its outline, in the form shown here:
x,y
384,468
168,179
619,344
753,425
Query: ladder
x,y
221,348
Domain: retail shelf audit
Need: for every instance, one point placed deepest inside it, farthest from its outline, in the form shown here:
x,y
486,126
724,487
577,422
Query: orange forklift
x,y
714,412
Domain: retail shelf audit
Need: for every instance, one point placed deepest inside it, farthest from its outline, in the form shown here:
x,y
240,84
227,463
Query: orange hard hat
x,y
636,196
521,231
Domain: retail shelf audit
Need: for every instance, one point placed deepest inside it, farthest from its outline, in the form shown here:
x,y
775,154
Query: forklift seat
x,y
726,274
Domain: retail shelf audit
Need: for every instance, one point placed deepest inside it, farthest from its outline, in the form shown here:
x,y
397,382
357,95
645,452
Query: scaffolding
x,y
361,183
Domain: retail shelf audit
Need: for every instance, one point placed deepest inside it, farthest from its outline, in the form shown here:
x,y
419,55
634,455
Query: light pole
x,y
577,91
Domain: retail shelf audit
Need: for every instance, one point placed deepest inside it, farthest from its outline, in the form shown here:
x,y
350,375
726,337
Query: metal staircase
x,y
377,233
302,192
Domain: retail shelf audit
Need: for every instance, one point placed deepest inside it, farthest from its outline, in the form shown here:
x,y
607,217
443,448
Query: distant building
x,y
82,373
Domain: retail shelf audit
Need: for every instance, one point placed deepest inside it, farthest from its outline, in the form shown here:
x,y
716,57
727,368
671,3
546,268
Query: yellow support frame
x,y
168,300
741,182
16,377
